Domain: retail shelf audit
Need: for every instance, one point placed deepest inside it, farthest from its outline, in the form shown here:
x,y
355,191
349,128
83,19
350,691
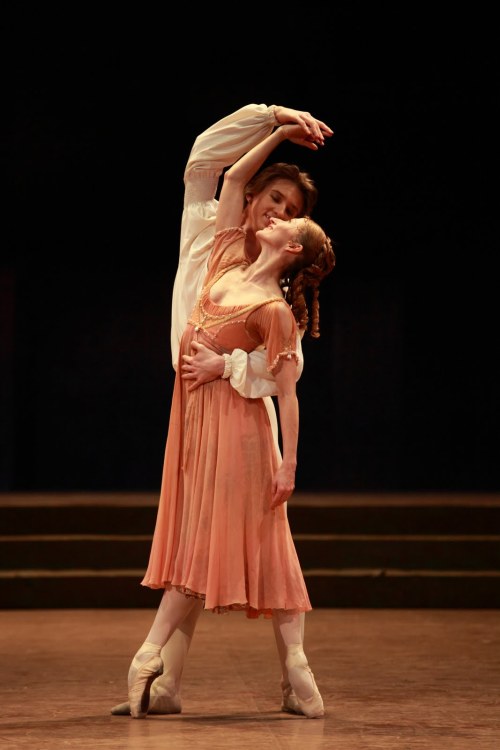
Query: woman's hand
x,y
283,485
297,134
313,130
203,366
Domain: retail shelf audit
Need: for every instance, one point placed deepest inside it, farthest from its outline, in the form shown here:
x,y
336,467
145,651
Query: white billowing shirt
x,y
216,148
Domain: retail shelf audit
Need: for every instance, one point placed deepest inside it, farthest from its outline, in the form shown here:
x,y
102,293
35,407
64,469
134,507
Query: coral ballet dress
x,y
216,536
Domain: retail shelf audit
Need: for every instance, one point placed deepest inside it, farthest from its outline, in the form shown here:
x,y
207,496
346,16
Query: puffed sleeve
x,y
281,338
273,323
250,376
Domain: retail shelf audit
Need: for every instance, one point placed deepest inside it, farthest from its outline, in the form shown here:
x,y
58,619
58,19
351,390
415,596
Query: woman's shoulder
x,y
228,248
229,234
229,243
277,309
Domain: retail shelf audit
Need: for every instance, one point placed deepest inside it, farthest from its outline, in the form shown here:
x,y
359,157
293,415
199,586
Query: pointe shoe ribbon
x,y
141,674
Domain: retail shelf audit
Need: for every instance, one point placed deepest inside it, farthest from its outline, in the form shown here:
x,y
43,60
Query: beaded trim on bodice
x,y
202,319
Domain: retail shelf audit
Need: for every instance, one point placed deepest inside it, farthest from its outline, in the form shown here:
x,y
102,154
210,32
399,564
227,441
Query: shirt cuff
x,y
228,366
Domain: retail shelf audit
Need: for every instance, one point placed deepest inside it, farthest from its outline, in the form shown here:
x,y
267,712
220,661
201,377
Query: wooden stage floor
x,y
390,679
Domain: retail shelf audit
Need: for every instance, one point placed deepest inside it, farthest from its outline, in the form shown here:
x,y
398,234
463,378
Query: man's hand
x,y
314,130
300,136
202,366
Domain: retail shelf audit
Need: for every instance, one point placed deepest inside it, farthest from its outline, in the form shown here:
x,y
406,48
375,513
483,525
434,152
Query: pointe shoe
x,y
162,700
141,674
289,702
121,709
303,684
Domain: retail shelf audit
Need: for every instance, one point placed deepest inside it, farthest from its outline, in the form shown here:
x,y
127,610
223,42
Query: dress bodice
x,y
243,326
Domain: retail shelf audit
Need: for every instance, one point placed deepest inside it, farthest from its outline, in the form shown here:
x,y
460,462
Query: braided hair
x,y
301,284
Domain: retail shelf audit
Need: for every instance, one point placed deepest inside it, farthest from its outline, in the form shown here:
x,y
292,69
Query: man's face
x,y
280,199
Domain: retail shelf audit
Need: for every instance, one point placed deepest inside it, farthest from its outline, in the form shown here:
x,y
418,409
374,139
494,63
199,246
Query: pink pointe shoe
x,y
289,702
146,666
162,700
304,686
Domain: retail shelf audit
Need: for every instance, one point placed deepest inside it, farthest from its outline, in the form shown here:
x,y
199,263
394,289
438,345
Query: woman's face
x,y
280,199
281,232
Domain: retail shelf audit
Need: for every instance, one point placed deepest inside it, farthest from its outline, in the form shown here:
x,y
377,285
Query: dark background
x,y
400,391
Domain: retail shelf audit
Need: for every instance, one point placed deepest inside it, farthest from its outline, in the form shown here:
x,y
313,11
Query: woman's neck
x,y
264,271
252,247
